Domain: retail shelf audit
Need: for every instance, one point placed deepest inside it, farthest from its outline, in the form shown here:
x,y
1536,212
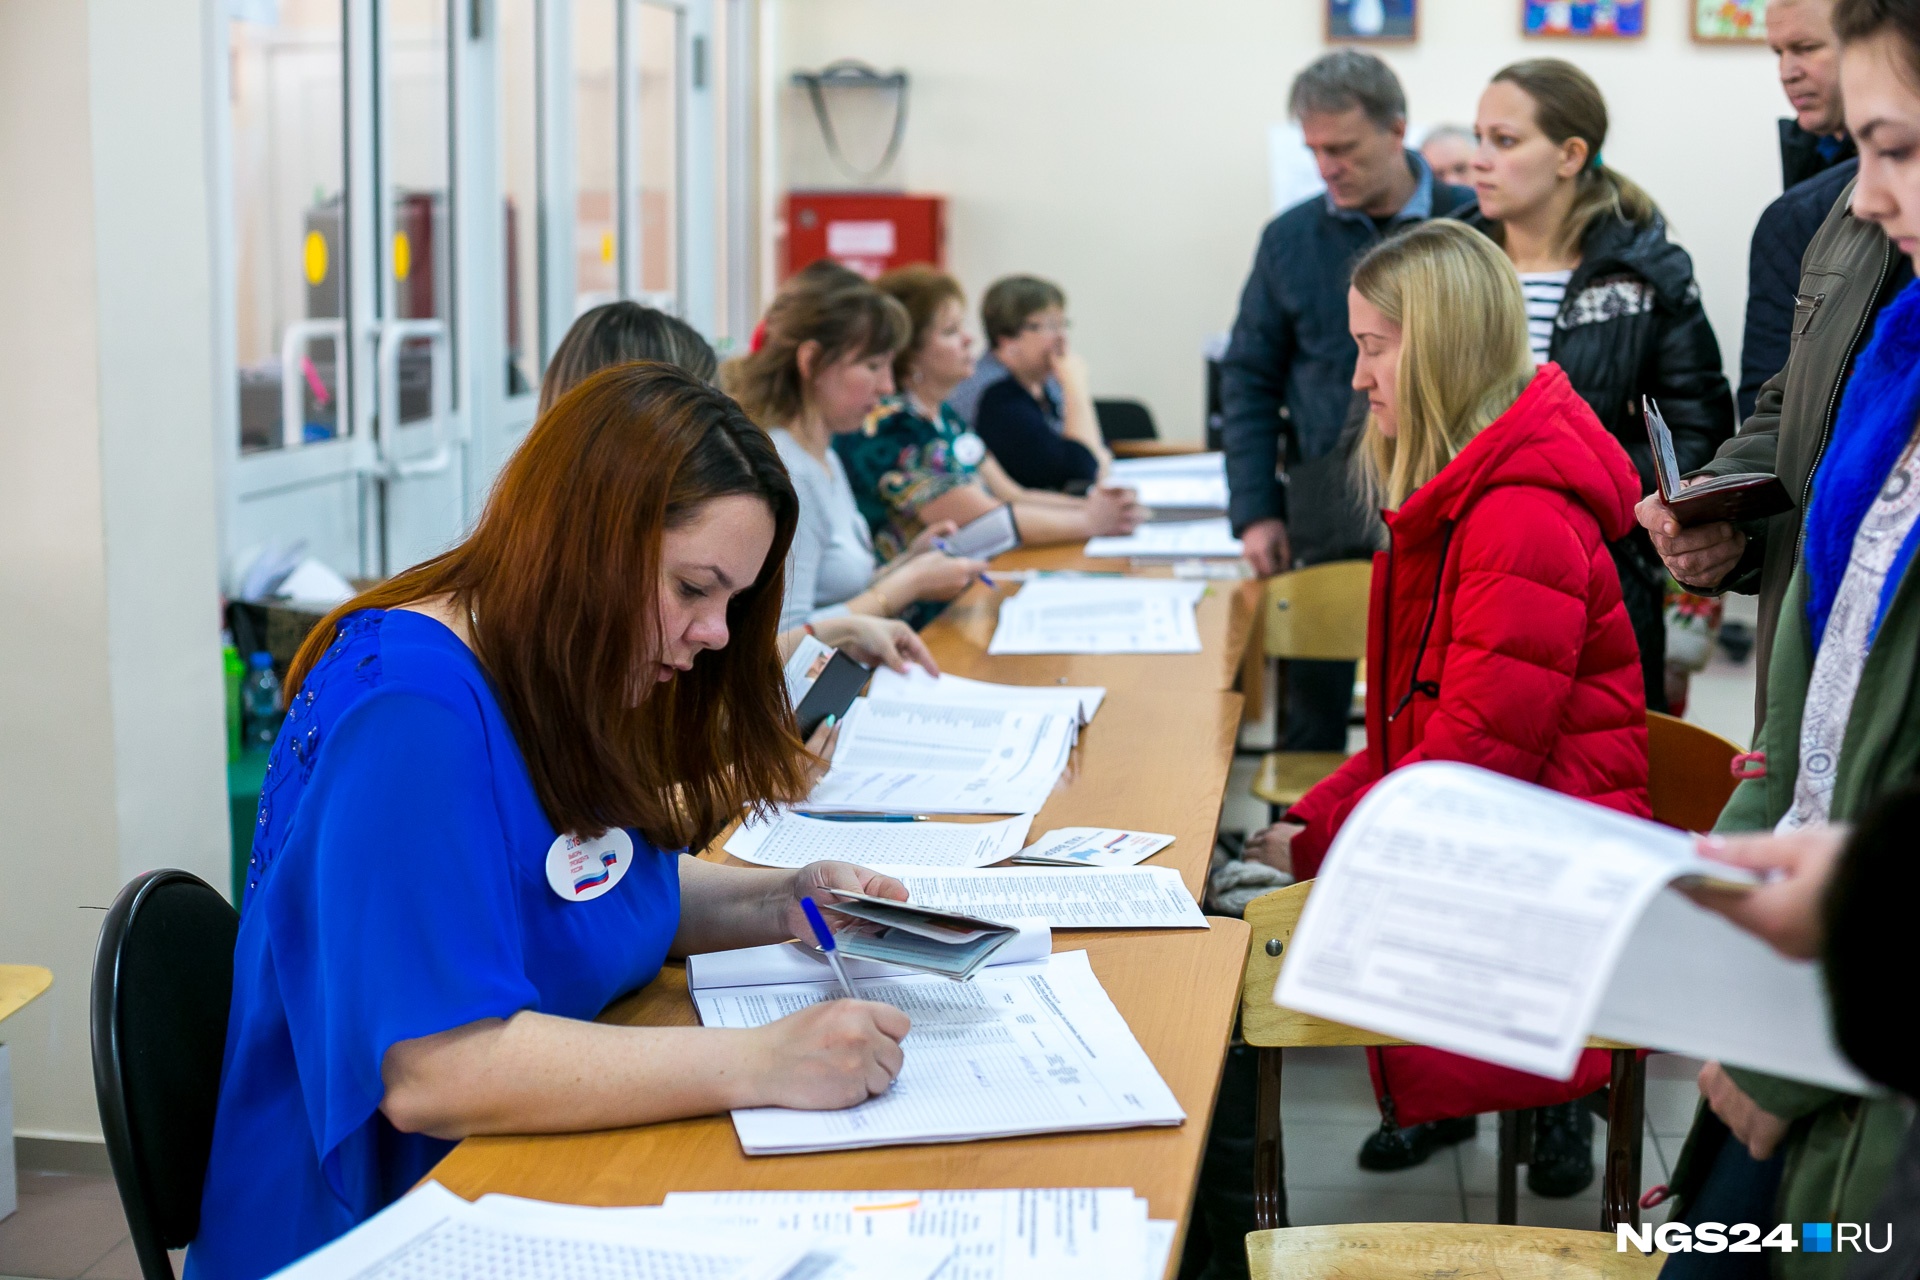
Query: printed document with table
x,y
1465,910
1022,1048
1100,615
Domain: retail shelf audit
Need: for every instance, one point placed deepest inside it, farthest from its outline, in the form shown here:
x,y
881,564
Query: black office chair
x,y
1124,420
162,984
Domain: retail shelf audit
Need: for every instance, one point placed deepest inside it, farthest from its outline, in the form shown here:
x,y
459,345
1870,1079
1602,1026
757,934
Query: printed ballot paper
x,y
784,962
1172,540
1093,847
788,839
1023,1048
1066,898
1100,615
432,1234
1051,1233
1461,909
896,756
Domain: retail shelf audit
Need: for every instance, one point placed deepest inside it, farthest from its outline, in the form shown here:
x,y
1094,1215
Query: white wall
x,y
1119,147
112,748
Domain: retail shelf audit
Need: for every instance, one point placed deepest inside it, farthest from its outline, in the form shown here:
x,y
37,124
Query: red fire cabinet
x,y
869,232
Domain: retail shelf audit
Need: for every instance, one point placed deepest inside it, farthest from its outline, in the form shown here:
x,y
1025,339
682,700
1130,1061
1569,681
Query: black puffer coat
x,y
1632,325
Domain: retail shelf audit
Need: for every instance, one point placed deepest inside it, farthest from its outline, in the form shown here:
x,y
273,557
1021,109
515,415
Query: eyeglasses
x,y
1052,328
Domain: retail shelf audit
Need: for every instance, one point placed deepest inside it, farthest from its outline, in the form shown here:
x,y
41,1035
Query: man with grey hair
x,y
1291,418
1448,150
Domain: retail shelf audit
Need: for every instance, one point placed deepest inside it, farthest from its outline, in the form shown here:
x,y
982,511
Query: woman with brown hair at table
x,y
472,832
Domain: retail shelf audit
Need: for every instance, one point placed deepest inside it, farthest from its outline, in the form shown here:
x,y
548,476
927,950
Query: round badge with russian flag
x,y
581,869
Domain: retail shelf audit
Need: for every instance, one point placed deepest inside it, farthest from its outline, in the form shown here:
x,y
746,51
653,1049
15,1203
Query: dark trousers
x,y
1222,1215
1738,1188
1319,697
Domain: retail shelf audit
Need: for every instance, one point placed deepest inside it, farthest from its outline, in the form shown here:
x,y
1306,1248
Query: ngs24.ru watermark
x,y
1745,1237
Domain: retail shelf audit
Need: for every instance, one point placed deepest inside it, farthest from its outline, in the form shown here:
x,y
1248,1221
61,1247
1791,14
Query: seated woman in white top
x,y
824,363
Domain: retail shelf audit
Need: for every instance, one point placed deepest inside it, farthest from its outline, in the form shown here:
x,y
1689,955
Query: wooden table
x,y
1155,758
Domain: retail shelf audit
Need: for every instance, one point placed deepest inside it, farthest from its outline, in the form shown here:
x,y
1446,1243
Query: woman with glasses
x,y
1038,420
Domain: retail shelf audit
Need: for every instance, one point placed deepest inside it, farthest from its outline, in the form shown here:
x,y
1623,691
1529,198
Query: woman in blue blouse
x,y
469,840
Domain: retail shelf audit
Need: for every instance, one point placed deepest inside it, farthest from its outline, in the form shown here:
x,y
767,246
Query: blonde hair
x,y
1568,104
1464,357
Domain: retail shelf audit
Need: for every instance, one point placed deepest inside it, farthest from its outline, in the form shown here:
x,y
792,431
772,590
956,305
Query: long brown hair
x,y
617,332
561,577
1568,104
827,304
1857,20
922,290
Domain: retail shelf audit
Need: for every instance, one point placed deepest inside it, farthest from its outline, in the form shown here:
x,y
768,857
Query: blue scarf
x,y
1876,421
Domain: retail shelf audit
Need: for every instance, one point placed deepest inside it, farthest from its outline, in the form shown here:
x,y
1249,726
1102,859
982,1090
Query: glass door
x,y
420,196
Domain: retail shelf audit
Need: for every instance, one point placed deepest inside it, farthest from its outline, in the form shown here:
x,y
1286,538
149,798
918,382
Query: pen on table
x,y
825,937
861,817
940,545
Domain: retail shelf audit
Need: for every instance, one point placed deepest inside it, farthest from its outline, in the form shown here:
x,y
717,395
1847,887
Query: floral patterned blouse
x,y
900,461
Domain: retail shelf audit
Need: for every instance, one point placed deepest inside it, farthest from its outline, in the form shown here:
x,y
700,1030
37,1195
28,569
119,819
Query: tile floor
x,y
70,1226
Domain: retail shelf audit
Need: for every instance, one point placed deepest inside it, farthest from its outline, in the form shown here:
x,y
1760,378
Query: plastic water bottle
x,y
260,702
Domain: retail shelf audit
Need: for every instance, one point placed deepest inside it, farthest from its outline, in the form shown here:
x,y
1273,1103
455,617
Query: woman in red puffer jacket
x,y
1496,632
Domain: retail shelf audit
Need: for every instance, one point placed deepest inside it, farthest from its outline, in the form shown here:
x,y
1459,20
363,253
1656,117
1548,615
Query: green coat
x,y
1841,1148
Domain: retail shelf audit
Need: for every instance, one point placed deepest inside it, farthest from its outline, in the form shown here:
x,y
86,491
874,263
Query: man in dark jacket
x,y
1816,160
1289,408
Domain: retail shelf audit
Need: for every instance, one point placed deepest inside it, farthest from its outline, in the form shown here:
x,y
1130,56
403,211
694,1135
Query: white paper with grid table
x,y
1100,615
1044,1233
934,757
788,839
1031,1048
1066,898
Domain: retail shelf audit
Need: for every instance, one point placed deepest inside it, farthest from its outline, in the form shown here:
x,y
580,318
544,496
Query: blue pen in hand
x,y
824,936
940,545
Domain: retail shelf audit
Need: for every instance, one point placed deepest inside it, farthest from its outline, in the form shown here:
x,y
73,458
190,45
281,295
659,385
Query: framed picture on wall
x,y
1730,21
1373,21
1584,19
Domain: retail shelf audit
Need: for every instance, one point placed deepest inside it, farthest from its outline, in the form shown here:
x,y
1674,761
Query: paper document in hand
x,y
1465,910
432,1234
1052,1233
1096,846
788,839
1100,615
918,686
1172,539
1034,1048
1066,898
942,757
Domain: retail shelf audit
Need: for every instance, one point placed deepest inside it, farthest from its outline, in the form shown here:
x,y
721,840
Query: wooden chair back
x,y
1425,1250
1317,612
1271,919
1689,772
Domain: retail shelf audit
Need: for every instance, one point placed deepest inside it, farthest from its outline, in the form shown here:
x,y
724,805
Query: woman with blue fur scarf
x,y
1843,701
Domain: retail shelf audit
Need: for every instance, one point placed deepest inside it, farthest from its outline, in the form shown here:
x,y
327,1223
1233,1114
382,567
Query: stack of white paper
x,y
1188,481
788,839
1174,539
946,757
1100,615
1066,898
1051,1233
1465,910
1026,1048
432,1234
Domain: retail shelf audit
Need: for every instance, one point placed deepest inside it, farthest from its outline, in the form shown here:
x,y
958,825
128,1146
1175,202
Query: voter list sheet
x,y
1029,1048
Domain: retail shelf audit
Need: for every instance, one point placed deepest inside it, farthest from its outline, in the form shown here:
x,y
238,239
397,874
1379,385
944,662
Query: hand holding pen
x,y
944,548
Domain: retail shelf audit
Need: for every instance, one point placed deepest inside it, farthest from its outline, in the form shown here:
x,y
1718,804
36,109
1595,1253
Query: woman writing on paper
x,y
1496,635
621,332
915,463
468,840
825,361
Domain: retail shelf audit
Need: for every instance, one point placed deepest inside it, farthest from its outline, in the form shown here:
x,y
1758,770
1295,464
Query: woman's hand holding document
x,y
1465,910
